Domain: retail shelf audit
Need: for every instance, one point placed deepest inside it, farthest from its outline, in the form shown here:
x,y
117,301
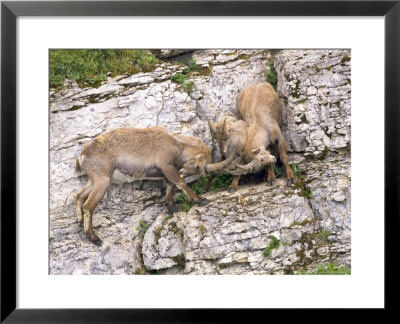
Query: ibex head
x,y
220,132
197,157
259,157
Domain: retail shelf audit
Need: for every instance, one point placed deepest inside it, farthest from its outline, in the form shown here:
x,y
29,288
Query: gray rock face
x,y
229,235
315,88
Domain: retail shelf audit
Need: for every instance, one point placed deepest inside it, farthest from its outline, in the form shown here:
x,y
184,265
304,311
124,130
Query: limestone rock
x,y
315,90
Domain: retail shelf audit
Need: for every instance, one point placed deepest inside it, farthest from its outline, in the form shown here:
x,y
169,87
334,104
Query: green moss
x,y
302,100
296,93
271,75
305,222
181,78
307,192
179,259
89,67
345,58
329,68
169,216
142,228
317,69
173,227
157,233
242,57
325,152
273,244
203,229
323,234
304,191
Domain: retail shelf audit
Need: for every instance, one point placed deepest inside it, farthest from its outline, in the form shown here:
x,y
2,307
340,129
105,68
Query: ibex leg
x,y
80,198
169,197
234,184
271,175
207,185
284,158
100,186
172,175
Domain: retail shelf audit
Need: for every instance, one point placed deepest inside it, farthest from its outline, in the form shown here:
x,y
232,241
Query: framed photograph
x,y
163,158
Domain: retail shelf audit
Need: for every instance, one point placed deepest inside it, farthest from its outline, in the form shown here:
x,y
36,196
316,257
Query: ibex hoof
x,y
95,239
232,190
173,209
271,182
290,181
98,242
203,202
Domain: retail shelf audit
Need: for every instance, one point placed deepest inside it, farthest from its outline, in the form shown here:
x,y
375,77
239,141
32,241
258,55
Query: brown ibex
x,y
149,153
231,137
260,107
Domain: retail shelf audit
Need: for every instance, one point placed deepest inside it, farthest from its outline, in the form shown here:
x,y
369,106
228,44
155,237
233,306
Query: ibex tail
x,y
77,167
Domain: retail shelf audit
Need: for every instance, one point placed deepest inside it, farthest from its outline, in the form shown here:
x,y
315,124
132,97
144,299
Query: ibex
x,y
231,137
260,107
149,153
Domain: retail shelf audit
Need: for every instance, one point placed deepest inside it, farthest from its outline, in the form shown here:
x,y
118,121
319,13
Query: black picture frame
x,y
11,10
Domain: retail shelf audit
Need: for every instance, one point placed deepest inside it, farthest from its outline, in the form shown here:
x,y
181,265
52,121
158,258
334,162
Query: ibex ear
x,y
256,150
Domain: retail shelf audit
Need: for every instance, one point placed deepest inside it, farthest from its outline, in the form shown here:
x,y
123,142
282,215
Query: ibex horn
x,y
216,167
234,162
211,128
223,126
251,167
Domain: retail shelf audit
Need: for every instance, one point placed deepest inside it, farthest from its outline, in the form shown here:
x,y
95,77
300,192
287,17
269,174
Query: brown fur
x,y
140,153
231,136
260,107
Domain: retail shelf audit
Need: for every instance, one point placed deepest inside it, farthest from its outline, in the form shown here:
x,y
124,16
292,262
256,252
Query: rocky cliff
x,y
259,229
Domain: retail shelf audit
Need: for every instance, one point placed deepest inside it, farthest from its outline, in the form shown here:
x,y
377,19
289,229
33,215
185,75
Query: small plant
x,y
169,216
278,171
181,78
273,244
281,172
271,76
307,192
295,168
192,65
328,269
184,202
324,234
221,181
345,58
142,228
